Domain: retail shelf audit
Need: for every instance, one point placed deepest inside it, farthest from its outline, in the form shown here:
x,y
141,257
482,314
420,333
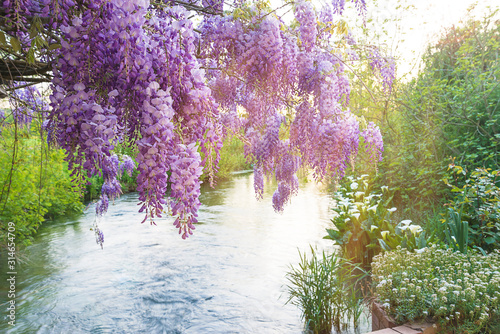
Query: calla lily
x,y
359,194
415,229
374,227
406,222
384,234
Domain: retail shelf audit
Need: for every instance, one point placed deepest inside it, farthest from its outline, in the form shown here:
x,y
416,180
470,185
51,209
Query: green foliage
x,y
477,199
364,226
34,183
324,287
232,158
457,232
459,291
449,110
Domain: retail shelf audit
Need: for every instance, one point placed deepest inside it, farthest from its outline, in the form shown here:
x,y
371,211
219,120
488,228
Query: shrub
x,y
460,292
477,199
34,183
363,223
449,110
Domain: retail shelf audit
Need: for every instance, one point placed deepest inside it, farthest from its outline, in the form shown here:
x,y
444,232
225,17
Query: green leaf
x,y
384,245
3,42
33,32
489,240
16,45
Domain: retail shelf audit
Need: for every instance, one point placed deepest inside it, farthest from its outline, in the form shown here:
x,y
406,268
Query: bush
x,y
477,199
449,110
364,225
127,181
34,183
460,292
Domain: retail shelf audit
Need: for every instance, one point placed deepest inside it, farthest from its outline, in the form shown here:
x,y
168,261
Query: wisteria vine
x,y
143,72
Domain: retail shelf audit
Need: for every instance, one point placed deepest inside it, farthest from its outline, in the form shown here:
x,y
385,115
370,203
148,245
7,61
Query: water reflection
x,y
227,278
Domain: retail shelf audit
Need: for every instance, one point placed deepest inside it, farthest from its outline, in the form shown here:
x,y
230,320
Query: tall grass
x,y
325,287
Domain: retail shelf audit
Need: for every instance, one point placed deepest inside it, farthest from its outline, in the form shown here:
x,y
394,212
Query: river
x,y
229,277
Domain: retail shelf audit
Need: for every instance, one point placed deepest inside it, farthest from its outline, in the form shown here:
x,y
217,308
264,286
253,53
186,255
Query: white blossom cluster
x,y
456,290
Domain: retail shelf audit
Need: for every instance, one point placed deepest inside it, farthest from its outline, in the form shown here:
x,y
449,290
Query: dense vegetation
x,y
449,113
35,183
439,185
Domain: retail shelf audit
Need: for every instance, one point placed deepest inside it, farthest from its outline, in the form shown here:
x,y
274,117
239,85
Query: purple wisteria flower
x,y
128,70
127,165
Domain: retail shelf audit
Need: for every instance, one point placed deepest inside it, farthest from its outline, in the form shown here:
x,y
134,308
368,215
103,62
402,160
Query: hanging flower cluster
x,y
142,72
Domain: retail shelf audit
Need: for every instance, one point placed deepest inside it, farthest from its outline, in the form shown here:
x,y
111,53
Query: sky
x,y
409,27
421,24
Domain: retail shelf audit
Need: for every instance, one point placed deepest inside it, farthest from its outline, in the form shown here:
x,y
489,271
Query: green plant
x,y
324,288
449,109
35,183
457,232
363,225
477,200
232,158
459,291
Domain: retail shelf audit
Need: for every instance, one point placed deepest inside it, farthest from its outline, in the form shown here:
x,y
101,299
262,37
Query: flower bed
x,y
459,292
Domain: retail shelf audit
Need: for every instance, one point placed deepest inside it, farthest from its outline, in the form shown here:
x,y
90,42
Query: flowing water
x,y
229,277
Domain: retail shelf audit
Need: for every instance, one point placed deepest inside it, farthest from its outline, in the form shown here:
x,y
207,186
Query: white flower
x,y
405,222
415,229
359,194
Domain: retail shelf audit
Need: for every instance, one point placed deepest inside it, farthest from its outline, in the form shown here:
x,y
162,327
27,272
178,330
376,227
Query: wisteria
x,y
374,142
28,103
338,6
385,65
99,236
186,171
111,189
144,73
306,16
126,165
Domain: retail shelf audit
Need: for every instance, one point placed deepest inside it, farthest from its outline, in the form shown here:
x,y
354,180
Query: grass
x,y
325,288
